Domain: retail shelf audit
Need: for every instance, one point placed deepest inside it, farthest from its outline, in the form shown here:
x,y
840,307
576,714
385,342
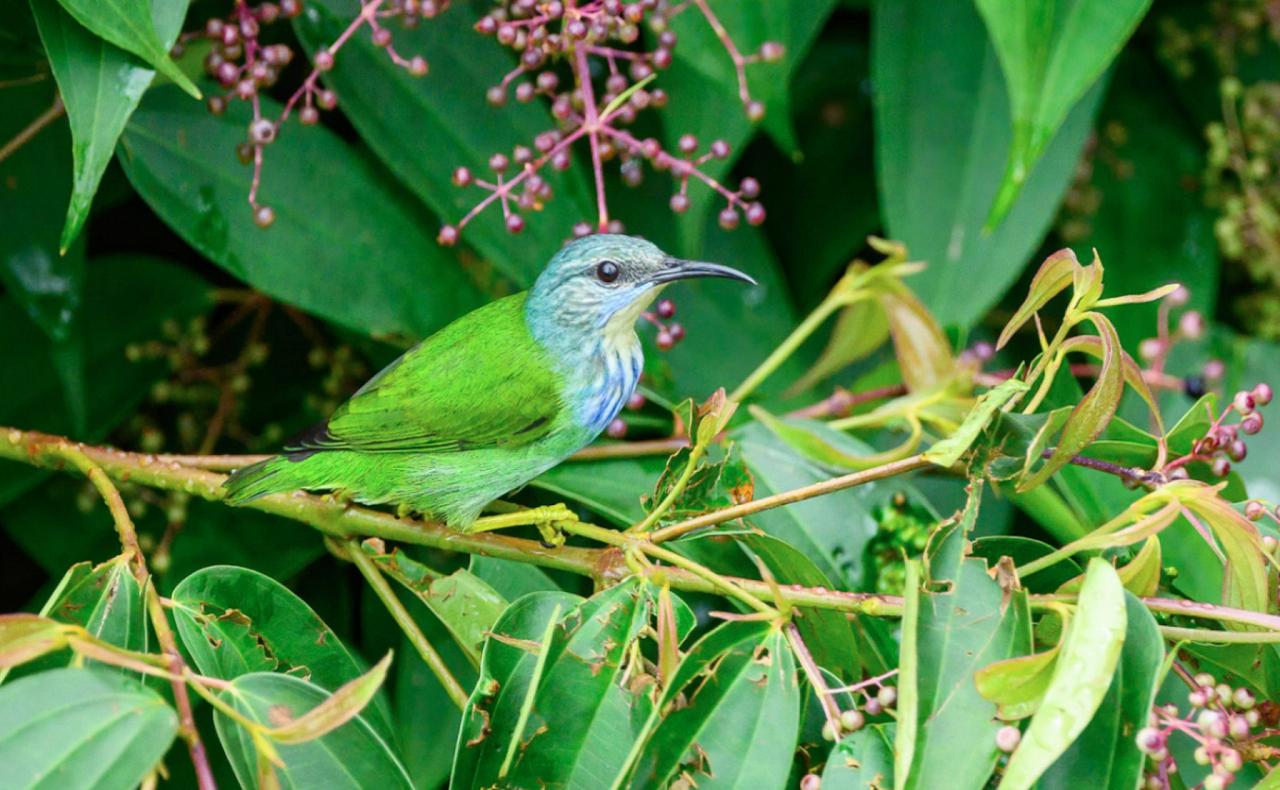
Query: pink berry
x,y
498,162
755,214
617,429
418,66
1007,738
635,402
666,308
461,177
720,149
679,203
1221,467
755,111
1243,402
448,236
772,51
1178,296
327,99
728,218
263,216
515,223
1254,510
308,116
1191,324
1262,394
688,143
664,341
1251,424
750,188
677,332
323,60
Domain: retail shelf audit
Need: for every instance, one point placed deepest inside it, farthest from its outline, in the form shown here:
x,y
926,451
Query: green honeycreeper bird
x,y
495,398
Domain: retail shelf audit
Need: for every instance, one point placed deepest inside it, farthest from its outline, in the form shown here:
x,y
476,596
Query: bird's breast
x,y
611,377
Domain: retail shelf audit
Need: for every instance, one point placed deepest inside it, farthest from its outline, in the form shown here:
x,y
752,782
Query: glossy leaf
x,y
1106,754
739,728
101,85
425,128
948,451
355,755
86,727
129,25
861,761
1094,346
339,708
1085,667
463,602
1051,52
613,488
936,189
50,288
947,636
578,725
234,621
823,528
105,600
383,273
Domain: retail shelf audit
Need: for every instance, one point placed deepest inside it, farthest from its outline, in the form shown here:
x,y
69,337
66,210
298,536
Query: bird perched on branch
x,y
494,399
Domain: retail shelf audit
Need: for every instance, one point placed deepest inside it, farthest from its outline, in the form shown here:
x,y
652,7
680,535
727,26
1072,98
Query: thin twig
x,y
42,120
159,619
368,569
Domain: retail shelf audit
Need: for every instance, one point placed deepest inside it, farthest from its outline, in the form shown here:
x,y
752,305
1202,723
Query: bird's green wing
x,y
482,381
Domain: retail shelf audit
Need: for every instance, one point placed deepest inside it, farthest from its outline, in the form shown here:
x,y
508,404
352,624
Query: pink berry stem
x,y
739,62
506,186
582,73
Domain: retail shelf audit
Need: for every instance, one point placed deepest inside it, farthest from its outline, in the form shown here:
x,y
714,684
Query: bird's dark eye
x,y
607,271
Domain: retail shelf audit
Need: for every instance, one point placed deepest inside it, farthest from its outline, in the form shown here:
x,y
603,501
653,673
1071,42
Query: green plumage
x,y
472,412
494,399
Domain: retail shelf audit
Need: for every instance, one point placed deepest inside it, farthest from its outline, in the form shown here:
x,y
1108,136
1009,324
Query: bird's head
x,y
603,282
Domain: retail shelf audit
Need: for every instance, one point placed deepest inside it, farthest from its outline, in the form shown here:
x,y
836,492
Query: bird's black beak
x,y
677,269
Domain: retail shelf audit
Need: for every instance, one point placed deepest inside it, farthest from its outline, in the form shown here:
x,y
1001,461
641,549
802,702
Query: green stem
x,y
401,615
1211,636
695,455
834,301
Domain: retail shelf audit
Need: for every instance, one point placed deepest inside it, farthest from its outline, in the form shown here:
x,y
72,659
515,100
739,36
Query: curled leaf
x,y
1090,417
1053,276
1140,576
1017,685
924,355
341,706
1092,345
948,451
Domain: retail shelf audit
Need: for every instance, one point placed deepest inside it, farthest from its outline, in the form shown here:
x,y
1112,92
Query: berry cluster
x,y
245,66
554,39
1224,443
1224,719
876,698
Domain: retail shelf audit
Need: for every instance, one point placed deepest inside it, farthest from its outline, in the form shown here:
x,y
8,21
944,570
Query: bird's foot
x,y
549,520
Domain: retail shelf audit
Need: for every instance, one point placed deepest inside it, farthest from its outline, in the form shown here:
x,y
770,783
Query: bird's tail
x,y
258,480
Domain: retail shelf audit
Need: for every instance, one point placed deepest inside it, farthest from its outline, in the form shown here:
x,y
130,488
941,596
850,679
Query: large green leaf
x,y
131,25
1051,51
831,530
234,621
934,70
827,633
739,726
156,291
946,729
355,755
1106,754
359,255
100,85
106,600
702,85
1083,673
81,728
462,601
861,761
425,128
36,182
613,487
559,695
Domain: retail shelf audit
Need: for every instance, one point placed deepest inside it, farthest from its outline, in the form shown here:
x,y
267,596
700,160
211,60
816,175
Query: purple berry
x,y
755,214
515,223
666,308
